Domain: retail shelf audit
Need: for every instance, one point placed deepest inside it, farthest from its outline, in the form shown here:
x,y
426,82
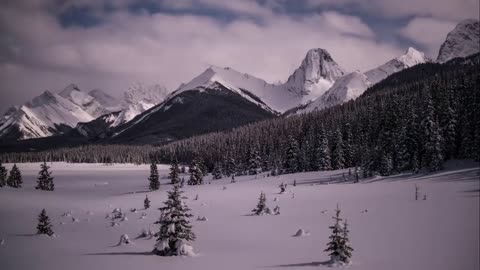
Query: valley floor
x,y
388,228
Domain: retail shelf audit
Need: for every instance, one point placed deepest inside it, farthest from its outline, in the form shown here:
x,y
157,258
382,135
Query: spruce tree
x,y
3,175
45,180
261,205
174,223
254,161
154,182
44,226
146,202
291,162
345,248
15,178
196,175
217,172
337,158
335,244
174,172
323,154
432,140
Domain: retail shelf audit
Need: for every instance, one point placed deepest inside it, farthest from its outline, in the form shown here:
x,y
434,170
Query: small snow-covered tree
x,y
45,180
174,172
261,208
338,246
146,202
175,226
154,182
44,226
345,248
196,175
15,178
217,172
3,175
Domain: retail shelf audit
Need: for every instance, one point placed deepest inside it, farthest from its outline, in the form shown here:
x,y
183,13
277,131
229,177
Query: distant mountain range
x,y
216,100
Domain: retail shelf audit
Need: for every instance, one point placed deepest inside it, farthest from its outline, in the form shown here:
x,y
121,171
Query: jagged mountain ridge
x,y
462,41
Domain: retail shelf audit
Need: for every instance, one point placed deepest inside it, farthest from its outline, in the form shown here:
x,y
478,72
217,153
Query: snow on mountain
x,y
344,89
409,59
462,41
83,100
354,84
104,99
316,74
45,115
137,99
271,98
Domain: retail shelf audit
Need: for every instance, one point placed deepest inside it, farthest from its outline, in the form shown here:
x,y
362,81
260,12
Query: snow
x,y
397,233
353,85
462,41
411,58
344,89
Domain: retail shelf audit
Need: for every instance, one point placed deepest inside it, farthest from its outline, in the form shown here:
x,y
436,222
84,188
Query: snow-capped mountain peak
x,y
462,41
317,72
103,98
412,57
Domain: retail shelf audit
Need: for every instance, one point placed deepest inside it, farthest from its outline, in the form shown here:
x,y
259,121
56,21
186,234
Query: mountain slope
x,y
354,84
409,59
462,41
46,115
191,112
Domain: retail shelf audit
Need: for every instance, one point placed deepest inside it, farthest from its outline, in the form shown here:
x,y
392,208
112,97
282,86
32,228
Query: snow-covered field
x,y
396,232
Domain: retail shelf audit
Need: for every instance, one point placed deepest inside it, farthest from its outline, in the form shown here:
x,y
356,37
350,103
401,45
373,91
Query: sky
x,y
112,44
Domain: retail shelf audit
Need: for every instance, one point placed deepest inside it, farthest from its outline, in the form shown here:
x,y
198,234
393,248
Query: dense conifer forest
x,y
415,119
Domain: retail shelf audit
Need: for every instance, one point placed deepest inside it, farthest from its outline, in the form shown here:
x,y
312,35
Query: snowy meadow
x,y
389,229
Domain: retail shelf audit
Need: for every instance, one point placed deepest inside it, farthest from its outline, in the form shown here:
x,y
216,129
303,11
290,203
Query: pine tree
x,y
15,178
44,226
196,175
174,223
261,205
346,249
335,244
291,162
254,161
154,182
338,158
174,172
3,175
432,156
323,154
45,180
217,172
230,167
146,202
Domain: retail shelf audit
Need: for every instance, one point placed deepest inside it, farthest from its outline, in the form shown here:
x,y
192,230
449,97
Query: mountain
x,y
354,84
98,128
195,108
46,115
409,59
223,98
462,41
316,74
136,100
85,101
104,99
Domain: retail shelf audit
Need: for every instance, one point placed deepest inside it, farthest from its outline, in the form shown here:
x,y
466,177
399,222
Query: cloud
x,y
446,9
428,32
38,53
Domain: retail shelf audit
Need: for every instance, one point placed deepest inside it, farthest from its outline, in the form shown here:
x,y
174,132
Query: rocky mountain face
x,y
462,41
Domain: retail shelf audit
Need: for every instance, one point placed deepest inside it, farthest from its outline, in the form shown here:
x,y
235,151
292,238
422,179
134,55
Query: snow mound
x,y
202,218
124,240
2,242
301,232
75,219
183,249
